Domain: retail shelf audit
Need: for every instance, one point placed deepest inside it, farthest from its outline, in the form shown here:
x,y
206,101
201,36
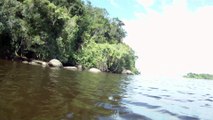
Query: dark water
x,y
35,93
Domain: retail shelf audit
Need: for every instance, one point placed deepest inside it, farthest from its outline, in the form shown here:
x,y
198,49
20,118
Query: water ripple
x,y
209,100
181,117
152,96
133,116
145,105
188,118
167,112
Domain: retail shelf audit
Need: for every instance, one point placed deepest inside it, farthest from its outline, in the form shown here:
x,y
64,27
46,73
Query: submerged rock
x,y
55,63
128,72
94,70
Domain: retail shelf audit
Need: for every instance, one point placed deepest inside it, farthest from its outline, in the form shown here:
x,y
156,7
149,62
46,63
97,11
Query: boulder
x,y
25,62
33,63
79,67
128,72
55,63
44,64
94,70
73,68
39,62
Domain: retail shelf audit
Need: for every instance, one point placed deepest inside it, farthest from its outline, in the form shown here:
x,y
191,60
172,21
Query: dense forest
x,y
73,31
199,76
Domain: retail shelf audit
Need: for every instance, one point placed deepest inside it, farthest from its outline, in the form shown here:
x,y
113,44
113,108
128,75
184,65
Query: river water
x,y
34,93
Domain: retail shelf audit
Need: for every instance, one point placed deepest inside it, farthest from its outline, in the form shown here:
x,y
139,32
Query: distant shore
x,y
199,76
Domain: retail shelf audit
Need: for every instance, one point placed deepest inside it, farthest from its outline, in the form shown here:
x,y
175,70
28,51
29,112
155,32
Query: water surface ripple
x,y
35,93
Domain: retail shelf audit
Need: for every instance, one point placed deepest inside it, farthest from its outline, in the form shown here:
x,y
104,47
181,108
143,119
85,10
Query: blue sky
x,y
125,9
117,8
170,37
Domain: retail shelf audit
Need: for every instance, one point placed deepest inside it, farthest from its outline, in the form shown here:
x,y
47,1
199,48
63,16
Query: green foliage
x,y
107,57
199,76
69,30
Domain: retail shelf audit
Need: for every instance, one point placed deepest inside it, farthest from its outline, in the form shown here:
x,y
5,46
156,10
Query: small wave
x,y
116,108
168,112
206,105
179,100
209,100
181,92
166,95
106,106
129,116
165,90
188,118
190,100
181,117
152,96
190,93
133,116
185,107
145,105
104,118
153,88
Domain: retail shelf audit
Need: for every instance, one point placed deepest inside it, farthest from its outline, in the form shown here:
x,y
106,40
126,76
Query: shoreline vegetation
x,y
73,32
199,76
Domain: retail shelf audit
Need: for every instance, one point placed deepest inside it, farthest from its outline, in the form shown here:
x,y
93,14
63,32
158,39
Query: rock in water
x,y
25,62
94,70
73,68
44,64
79,67
33,63
39,62
128,72
55,63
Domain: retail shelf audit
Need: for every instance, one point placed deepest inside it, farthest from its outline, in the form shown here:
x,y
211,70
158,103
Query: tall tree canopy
x,y
69,30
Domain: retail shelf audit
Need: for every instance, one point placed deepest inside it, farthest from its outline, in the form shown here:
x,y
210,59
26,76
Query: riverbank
x,y
56,64
81,35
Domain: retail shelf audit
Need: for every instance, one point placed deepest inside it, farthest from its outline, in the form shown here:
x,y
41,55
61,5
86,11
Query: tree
x,y
69,30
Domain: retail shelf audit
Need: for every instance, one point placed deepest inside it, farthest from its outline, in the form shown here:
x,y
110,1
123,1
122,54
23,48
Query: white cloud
x,y
113,3
145,3
175,41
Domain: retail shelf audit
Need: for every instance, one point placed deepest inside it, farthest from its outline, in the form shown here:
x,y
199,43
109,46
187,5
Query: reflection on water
x,y
35,93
